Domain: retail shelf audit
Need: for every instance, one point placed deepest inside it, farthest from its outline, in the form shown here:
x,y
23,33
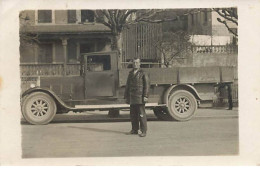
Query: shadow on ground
x,y
91,118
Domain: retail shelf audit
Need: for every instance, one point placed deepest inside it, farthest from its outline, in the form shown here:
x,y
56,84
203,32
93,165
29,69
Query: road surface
x,y
212,132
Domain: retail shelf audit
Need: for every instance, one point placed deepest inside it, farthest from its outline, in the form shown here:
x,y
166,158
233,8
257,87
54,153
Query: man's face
x,y
136,63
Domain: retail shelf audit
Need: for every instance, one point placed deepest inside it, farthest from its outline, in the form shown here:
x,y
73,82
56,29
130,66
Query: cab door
x,y
100,75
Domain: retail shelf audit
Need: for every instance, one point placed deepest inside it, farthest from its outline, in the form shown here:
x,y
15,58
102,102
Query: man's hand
x,y
145,99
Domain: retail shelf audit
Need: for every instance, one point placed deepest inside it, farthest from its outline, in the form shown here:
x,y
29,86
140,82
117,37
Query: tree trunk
x,y
117,43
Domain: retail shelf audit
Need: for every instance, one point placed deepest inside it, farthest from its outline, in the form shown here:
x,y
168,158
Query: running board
x,y
113,106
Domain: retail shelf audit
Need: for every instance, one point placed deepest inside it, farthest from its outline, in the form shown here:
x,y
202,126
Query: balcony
x,y
215,49
52,69
66,28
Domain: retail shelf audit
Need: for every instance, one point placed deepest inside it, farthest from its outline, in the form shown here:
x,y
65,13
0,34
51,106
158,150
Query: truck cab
x,y
100,71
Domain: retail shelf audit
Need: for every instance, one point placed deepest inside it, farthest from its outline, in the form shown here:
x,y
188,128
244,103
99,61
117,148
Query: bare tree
x,y
228,14
117,20
176,45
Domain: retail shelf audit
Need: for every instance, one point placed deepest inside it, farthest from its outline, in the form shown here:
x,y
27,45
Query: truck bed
x,y
188,75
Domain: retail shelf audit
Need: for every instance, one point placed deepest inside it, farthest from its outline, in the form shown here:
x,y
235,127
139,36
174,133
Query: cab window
x,y
97,63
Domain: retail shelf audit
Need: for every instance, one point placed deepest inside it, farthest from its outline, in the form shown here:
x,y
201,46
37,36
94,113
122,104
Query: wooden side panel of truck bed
x,y
157,75
199,75
184,75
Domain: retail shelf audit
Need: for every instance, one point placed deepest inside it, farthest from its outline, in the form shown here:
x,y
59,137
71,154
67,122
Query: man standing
x,y
136,94
228,90
230,100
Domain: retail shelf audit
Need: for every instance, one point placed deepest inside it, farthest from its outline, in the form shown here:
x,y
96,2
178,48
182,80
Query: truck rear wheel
x,y
182,105
38,108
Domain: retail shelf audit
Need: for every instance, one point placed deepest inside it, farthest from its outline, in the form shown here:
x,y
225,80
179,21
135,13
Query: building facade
x,y
205,29
61,35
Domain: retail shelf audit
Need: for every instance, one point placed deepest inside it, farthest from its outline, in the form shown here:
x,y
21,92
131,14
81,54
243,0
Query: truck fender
x,y
187,87
49,92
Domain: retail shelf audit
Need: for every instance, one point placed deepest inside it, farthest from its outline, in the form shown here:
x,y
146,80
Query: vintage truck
x,y
175,93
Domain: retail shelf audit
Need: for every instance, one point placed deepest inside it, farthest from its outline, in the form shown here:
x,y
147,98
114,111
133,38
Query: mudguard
x,y
181,86
51,93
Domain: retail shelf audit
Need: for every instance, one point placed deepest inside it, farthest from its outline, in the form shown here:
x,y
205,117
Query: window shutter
x,y
44,16
72,16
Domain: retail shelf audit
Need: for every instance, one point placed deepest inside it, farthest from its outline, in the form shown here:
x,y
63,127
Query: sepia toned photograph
x,y
129,82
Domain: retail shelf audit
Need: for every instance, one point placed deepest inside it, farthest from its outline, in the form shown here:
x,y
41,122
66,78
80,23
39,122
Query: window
x,y
45,53
98,63
87,16
44,16
72,18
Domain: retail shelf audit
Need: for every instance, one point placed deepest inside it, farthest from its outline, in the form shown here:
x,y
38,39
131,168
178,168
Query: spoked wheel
x,y
38,108
161,113
182,105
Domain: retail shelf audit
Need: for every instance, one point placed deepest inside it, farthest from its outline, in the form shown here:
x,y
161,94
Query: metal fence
x,y
139,41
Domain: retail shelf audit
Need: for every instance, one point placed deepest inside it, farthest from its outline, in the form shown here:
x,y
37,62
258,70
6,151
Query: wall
x,y
214,59
210,40
27,54
61,17
206,59
30,14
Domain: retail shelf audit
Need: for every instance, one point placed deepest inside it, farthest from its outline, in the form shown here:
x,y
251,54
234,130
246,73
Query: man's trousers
x,y
138,115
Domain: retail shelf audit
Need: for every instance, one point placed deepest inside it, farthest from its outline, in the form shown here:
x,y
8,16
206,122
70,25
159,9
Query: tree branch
x,y
113,21
158,21
225,23
101,19
126,14
106,14
226,16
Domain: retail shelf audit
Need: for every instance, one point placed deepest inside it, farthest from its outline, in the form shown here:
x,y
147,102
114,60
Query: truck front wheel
x,y
182,105
38,108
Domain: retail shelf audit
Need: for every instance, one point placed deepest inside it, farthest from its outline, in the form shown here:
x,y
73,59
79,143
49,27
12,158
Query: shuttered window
x,y
87,16
72,16
44,16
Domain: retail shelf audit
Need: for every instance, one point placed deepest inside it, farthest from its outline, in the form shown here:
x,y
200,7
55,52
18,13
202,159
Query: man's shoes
x,y
143,134
229,108
132,132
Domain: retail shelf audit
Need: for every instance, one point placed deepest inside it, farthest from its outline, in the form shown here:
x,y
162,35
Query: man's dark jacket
x,y
137,87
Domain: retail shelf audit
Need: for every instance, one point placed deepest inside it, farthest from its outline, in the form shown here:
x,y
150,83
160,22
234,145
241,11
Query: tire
x,y
182,105
162,114
38,108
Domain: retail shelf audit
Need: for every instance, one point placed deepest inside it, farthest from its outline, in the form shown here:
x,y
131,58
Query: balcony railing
x,y
50,69
215,49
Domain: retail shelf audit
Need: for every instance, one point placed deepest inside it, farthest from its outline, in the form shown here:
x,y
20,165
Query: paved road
x,y
93,134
